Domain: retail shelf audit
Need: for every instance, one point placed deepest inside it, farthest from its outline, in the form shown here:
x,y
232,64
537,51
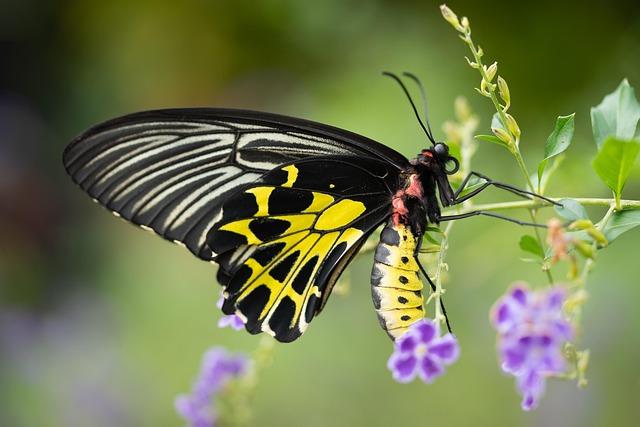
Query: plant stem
x,y
514,140
534,204
444,245
588,265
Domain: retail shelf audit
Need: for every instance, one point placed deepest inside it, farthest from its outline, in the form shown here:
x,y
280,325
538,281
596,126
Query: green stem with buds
x,y
488,89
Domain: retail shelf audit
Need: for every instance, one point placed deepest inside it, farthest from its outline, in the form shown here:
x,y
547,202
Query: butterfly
x,y
280,204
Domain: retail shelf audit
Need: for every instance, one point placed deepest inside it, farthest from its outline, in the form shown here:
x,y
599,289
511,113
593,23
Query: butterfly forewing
x,y
170,170
281,204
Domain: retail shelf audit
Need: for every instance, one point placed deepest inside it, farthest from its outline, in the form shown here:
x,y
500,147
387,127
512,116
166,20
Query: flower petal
x,y
529,402
531,383
429,369
552,362
503,314
237,323
402,367
520,293
220,301
406,343
446,349
513,359
426,330
231,320
555,299
564,329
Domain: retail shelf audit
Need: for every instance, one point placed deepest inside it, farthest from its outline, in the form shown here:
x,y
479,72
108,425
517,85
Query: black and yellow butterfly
x,y
281,204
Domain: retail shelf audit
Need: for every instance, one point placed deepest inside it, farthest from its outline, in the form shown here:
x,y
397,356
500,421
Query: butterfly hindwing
x,y
283,242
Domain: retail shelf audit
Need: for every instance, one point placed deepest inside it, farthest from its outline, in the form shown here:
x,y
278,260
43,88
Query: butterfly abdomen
x,y
395,284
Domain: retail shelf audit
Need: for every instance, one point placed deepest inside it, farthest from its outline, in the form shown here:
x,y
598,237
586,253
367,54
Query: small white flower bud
x,y
491,71
502,134
512,125
503,89
451,18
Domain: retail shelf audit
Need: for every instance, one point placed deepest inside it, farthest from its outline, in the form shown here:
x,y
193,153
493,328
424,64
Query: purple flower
x,y
422,351
531,334
232,320
218,367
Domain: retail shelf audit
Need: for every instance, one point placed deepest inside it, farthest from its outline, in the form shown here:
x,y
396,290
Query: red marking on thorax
x,y
414,189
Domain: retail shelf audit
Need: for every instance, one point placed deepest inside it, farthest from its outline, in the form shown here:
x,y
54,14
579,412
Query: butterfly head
x,y
437,163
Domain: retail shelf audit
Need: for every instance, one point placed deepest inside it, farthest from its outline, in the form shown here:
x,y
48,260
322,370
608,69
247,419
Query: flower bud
x,y
585,249
502,134
557,240
491,71
462,109
503,89
582,365
581,224
575,301
451,18
573,272
486,87
598,236
451,132
512,125
465,24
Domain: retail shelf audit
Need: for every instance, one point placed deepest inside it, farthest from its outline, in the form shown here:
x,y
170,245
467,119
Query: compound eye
x,y
441,150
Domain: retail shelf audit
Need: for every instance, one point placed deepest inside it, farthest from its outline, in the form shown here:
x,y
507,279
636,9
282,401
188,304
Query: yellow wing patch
x,y
340,214
292,175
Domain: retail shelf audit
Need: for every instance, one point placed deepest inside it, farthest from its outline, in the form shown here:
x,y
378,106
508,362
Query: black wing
x,y
171,170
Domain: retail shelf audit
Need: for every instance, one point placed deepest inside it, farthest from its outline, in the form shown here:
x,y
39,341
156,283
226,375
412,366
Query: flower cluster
x,y
218,367
531,334
232,320
423,352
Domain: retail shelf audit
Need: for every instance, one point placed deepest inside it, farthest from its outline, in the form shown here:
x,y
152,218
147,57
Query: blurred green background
x,y
102,324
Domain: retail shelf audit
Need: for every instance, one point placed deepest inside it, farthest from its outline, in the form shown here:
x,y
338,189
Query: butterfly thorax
x,y
415,202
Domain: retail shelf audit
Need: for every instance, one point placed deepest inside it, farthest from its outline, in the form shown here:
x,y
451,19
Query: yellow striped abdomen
x,y
395,283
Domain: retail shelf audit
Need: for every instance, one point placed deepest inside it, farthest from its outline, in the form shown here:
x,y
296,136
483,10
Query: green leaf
x,y
621,222
617,115
531,245
491,138
558,141
614,161
560,138
571,210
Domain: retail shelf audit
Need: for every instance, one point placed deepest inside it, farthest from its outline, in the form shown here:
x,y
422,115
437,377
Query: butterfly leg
x,y
488,182
491,214
433,289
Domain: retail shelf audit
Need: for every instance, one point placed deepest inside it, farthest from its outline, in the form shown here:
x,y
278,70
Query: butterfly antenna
x,y
423,93
413,105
